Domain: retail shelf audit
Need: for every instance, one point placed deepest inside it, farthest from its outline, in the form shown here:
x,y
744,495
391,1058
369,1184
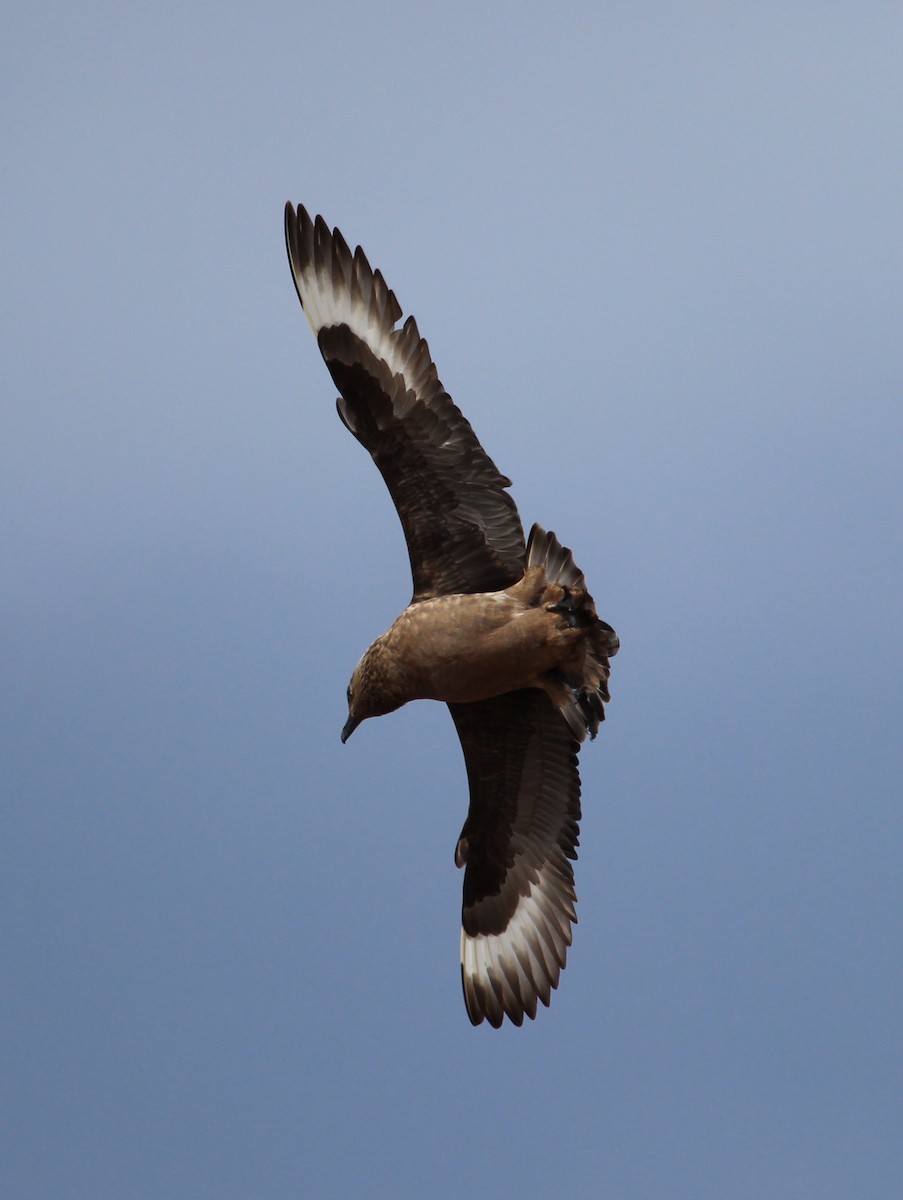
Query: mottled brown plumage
x,y
506,635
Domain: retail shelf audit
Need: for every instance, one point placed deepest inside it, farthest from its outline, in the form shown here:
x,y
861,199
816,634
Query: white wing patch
x,y
507,973
338,288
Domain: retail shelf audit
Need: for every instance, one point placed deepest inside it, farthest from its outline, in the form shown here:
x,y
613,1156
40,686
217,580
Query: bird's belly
x,y
485,652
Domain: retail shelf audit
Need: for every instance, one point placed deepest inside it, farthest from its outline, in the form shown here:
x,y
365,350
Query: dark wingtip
x,y
298,241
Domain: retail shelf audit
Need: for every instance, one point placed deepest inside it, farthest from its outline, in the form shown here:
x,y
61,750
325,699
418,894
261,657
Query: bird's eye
x,y
348,693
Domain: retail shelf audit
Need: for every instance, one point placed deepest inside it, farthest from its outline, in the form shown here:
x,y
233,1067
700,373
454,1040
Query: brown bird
x,y
506,634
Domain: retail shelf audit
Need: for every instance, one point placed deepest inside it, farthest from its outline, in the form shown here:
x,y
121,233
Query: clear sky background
x,y
657,250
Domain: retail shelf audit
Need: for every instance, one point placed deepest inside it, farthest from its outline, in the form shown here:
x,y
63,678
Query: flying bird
x,y
503,631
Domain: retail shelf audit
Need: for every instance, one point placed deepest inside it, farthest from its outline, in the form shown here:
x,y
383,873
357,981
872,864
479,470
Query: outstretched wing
x,y
517,844
461,526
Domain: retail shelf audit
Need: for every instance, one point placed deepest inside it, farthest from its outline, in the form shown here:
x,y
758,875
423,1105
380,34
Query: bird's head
x,y
370,693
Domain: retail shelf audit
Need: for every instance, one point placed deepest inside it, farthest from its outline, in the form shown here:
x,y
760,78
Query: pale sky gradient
x,y
657,251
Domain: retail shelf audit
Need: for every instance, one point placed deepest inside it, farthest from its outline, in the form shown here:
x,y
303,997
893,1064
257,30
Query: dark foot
x,y
565,606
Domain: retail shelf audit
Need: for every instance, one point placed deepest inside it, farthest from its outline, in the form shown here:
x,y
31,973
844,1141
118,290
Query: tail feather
x,y
579,686
544,550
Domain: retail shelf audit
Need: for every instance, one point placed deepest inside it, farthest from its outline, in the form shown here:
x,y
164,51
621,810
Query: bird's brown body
x,y
463,648
469,648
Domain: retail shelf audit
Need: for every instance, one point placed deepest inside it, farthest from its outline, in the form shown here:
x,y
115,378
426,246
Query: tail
x,y
579,685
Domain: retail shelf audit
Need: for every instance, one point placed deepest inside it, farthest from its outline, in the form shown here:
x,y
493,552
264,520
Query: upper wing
x,y
517,843
461,526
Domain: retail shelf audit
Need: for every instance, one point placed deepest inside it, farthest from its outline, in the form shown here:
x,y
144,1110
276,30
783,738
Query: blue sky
x,y
657,253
